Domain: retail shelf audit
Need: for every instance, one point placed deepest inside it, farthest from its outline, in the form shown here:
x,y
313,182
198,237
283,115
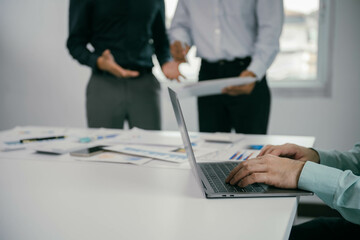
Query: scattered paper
x,y
146,151
233,153
155,138
111,157
143,145
222,137
171,154
10,140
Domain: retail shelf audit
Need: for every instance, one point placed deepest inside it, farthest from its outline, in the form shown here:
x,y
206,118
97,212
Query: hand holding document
x,y
211,87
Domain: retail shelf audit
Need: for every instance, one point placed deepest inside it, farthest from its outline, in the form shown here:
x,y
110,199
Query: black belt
x,y
141,70
240,61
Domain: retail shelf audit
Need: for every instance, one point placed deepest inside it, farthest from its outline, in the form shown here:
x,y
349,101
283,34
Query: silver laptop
x,y
211,175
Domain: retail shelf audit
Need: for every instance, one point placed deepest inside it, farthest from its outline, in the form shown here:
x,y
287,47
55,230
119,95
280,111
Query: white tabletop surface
x,y
54,197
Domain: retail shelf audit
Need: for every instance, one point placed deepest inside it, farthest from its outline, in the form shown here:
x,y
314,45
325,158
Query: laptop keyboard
x,y
216,173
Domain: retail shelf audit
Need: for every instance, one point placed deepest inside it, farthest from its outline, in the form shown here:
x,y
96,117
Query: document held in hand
x,y
211,87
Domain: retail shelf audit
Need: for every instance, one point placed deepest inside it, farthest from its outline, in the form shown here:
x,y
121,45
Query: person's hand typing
x,y
292,151
268,169
107,63
241,89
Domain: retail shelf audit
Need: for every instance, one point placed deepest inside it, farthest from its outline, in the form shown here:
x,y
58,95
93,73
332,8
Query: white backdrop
x,y
40,84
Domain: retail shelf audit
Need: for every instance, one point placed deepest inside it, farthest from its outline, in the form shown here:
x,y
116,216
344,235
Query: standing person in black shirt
x,y
124,35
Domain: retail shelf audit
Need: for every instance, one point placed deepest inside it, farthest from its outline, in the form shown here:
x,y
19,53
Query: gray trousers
x,y
111,100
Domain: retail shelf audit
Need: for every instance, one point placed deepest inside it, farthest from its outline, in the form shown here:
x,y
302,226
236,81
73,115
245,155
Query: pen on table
x,y
89,139
36,139
41,139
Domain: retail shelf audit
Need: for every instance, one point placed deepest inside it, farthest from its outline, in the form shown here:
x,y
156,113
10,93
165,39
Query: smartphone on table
x,y
88,152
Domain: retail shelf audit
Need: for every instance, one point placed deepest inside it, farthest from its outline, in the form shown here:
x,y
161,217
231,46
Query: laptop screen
x,y
184,134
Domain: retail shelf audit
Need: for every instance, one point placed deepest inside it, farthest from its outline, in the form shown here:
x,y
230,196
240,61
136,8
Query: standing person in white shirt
x,y
232,38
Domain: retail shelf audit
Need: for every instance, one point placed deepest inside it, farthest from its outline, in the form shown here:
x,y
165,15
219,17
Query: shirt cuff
x,y
326,157
164,60
92,61
258,68
180,36
320,179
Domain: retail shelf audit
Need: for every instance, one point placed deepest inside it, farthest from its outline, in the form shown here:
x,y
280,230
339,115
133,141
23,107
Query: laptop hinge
x,y
204,185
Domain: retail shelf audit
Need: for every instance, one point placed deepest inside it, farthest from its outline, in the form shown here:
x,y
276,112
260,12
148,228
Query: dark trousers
x,y
244,113
325,228
111,100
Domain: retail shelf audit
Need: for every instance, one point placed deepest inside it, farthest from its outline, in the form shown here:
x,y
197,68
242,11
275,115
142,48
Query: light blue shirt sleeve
x,y
342,160
225,30
335,182
269,27
180,26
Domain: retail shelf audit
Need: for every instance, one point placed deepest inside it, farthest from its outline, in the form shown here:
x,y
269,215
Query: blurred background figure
x,y
117,40
233,38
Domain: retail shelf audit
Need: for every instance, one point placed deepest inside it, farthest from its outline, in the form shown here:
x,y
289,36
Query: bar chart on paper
x,y
230,154
151,152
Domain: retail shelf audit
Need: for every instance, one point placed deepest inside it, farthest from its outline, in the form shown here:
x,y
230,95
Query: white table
x,y
57,198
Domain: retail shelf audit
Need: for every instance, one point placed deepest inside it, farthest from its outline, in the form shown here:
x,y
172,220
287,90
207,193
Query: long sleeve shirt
x,y
225,30
336,181
133,30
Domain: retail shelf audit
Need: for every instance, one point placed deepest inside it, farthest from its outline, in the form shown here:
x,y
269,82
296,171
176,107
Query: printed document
x,y
171,154
154,138
211,87
111,157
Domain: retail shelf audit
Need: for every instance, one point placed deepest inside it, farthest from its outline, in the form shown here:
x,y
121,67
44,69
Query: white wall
x,y
40,84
